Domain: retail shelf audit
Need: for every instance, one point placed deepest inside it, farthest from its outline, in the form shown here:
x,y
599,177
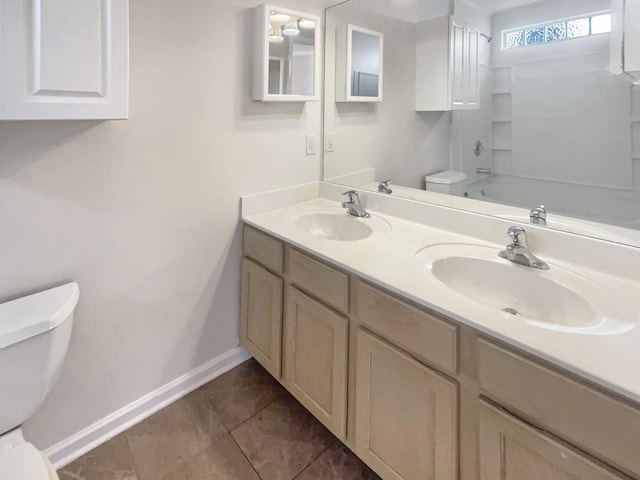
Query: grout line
x,y
245,456
311,462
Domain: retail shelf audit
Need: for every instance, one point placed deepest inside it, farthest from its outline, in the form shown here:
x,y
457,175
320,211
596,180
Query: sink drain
x,y
512,311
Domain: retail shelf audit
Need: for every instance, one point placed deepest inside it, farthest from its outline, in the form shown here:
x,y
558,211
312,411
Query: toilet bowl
x,y
34,337
447,181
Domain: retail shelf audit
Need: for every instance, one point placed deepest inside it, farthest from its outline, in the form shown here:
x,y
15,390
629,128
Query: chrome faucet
x,y
384,187
518,250
538,215
353,206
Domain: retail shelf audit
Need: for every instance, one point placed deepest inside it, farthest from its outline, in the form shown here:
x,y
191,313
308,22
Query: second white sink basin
x,y
333,223
558,299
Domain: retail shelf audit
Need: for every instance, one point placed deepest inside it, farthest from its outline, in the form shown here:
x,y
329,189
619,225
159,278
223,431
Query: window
x,y
557,30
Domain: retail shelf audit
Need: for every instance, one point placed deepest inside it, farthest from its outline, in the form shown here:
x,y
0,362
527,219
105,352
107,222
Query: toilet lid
x,y
447,177
23,462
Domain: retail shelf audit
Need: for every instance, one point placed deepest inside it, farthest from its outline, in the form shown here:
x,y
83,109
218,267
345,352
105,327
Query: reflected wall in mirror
x,y
359,61
553,126
286,58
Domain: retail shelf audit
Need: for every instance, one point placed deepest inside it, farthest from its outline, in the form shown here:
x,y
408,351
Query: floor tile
x,y
242,392
338,463
223,460
110,461
282,440
162,442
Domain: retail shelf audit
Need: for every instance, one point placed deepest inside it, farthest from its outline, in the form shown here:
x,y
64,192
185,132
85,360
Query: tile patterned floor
x,y
241,426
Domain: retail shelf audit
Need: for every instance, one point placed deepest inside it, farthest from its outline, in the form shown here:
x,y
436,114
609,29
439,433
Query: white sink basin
x,y
557,299
333,223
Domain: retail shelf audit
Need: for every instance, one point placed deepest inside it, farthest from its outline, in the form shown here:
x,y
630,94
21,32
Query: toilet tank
x,y
34,337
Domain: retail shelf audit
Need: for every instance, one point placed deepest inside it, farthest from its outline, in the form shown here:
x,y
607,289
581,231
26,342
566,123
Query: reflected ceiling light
x,y
306,24
278,19
275,35
291,29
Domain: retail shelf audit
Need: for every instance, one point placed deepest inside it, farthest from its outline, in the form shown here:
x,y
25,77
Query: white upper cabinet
x,y
359,64
625,38
286,55
64,59
447,66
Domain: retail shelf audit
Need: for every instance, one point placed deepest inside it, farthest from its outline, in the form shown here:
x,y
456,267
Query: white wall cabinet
x,y
447,66
63,59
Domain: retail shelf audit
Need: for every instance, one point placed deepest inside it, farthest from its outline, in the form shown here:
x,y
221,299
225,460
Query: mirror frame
x,y
344,64
260,87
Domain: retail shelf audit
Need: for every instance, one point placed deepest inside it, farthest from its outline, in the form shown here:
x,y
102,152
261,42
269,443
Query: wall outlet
x,y
329,142
311,144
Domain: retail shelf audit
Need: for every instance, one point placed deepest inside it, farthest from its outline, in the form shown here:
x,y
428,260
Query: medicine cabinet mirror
x,y
286,55
359,67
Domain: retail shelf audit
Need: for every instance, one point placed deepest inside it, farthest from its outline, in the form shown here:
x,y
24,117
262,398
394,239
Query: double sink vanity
x,y
430,355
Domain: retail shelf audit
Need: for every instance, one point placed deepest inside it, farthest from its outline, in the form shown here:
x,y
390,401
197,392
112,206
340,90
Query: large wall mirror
x,y
551,126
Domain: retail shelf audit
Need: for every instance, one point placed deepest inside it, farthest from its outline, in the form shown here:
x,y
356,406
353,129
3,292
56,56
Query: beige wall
x,y
143,213
388,136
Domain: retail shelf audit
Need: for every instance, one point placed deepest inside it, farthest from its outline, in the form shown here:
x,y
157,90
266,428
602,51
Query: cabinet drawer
x,y
407,327
594,422
319,279
263,249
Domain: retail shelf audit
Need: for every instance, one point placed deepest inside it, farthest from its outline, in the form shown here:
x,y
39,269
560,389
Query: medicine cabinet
x,y
286,55
359,64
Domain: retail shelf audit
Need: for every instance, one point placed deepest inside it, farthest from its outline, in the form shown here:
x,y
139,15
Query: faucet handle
x,y
353,196
518,236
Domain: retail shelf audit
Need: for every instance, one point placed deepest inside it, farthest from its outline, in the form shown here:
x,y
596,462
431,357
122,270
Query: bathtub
x,y
598,204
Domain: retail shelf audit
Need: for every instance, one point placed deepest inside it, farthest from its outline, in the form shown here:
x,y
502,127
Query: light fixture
x,y
306,24
291,29
275,35
276,19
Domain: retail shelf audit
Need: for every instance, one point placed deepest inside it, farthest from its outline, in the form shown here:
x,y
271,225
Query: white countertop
x,y
386,258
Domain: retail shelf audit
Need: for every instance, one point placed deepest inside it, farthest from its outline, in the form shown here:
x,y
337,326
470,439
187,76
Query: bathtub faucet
x,y
518,250
538,215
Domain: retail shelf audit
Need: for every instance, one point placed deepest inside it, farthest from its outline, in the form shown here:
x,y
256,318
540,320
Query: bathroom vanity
x,y
408,376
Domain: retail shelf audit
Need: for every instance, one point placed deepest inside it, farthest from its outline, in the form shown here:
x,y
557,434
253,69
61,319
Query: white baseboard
x,y
73,447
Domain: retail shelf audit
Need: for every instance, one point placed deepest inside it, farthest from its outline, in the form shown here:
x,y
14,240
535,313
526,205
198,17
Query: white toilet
x,y
34,336
447,181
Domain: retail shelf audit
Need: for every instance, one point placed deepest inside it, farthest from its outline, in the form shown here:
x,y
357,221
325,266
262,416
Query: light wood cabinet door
x,y
64,59
261,315
512,450
315,359
406,415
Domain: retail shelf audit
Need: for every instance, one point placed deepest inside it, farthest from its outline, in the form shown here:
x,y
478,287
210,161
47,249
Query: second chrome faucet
x,y
518,250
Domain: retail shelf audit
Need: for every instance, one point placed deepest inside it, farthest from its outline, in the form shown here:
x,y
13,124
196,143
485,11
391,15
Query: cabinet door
x,y
406,415
458,57
512,450
472,65
63,59
315,359
261,315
